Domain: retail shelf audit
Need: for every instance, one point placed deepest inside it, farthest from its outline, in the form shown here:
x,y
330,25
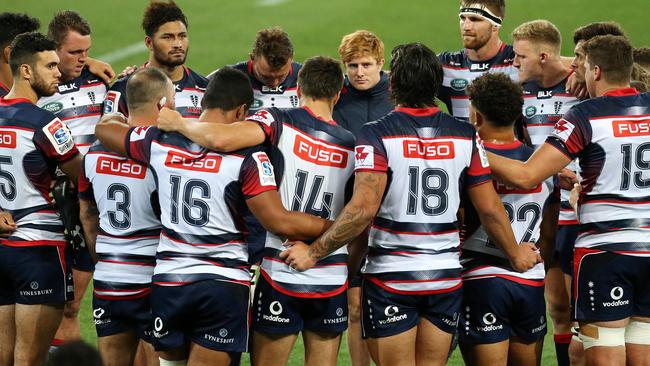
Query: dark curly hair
x,y
13,24
415,75
158,13
497,98
274,44
25,47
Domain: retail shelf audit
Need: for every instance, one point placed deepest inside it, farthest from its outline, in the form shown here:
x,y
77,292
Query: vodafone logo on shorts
x,y
616,294
432,150
275,308
631,128
120,167
319,154
392,316
489,319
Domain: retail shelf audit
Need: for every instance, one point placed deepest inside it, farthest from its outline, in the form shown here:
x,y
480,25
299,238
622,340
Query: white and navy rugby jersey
x,y
314,162
78,103
189,93
32,143
284,95
129,227
481,257
459,71
203,199
430,157
543,107
4,90
610,136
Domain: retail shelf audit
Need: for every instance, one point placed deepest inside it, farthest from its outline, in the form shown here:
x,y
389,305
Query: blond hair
x,y
540,33
359,44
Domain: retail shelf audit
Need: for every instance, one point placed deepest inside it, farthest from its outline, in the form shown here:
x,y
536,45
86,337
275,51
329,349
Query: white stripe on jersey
x,y
537,273
323,275
186,265
396,241
415,286
32,234
411,262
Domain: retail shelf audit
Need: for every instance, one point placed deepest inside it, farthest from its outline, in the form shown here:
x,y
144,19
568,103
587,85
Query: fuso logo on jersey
x,y
202,163
631,128
364,157
319,154
563,129
265,169
120,167
262,116
111,101
7,139
429,150
59,135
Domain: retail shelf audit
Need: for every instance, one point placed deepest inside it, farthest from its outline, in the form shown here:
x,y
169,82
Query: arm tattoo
x,y
354,218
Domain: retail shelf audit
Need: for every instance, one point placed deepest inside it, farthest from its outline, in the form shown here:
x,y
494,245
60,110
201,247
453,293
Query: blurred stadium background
x,y
222,32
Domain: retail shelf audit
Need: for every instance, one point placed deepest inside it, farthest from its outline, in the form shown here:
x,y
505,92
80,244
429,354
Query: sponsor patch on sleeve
x,y
111,101
264,168
364,157
59,135
481,152
262,116
139,133
563,129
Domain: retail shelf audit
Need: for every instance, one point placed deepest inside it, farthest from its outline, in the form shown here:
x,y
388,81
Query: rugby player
x,y
11,25
271,70
77,102
414,232
314,159
200,283
608,133
504,317
35,279
544,79
120,213
365,97
166,37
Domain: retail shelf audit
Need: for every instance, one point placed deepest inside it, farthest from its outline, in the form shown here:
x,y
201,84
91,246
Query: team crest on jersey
x,y
265,169
557,106
364,157
111,101
257,104
262,116
563,130
530,111
294,100
91,96
195,100
59,135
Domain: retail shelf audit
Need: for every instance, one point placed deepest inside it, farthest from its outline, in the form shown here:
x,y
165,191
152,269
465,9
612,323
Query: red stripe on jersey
x,y
145,293
401,292
34,243
16,128
418,112
426,138
91,85
304,295
620,202
81,116
520,280
600,118
316,266
12,101
567,222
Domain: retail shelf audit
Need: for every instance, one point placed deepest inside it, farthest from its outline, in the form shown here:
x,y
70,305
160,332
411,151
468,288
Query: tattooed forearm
x,y
355,217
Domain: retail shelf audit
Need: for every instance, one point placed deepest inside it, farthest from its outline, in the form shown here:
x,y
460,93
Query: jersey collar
x,y
622,92
418,112
331,122
12,101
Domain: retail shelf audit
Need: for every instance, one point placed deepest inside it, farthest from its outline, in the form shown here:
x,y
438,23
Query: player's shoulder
x,y
87,78
26,113
516,150
197,79
120,84
241,66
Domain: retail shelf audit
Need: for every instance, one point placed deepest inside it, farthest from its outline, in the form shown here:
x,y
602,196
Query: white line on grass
x,y
124,52
271,2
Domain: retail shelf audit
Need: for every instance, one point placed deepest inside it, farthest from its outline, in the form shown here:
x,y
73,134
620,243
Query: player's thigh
x,y
485,354
525,353
271,349
35,328
354,304
118,349
7,335
321,348
202,356
432,344
396,350
637,341
557,300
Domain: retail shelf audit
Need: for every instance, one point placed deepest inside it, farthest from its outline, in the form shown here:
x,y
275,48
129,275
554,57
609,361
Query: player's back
x,y
429,158
129,228
459,71
32,141
78,103
525,208
314,162
609,135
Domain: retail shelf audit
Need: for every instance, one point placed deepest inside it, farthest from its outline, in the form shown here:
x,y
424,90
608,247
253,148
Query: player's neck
x,y
22,89
217,115
175,73
497,135
488,51
553,73
602,88
321,108
5,76
144,117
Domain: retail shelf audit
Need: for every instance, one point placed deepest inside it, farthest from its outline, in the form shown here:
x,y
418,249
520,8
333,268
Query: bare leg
x,y
493,354
69,328
432,344
201,356
397,350
270,349
358,348
118,349
525,353
7,335
637,354
35,328
606,356
321,348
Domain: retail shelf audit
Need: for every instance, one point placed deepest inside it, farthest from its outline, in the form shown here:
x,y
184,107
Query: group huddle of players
x,y
232,213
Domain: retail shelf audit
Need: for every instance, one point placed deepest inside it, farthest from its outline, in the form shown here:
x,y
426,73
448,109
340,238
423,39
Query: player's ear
x,y
336,98
299,92
148,42
598,73
241,113
5,54
26,71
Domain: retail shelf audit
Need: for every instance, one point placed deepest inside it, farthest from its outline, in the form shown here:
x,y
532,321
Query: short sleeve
x,y
571,134
478,171
269,122
256,175
115,100
369,153
138,143
85,187
54,139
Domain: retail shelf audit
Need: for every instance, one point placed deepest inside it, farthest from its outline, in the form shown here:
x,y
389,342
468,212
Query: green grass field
x,y
222,32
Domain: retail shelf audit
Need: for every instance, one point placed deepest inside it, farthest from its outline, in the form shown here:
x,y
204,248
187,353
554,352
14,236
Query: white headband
x,y
482,11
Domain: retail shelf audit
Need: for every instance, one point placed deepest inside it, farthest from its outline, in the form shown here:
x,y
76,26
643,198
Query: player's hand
x,y
169,120
114,117
127,71
577,88
7,224
297,256
101,69
527,257
568,179
574,196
